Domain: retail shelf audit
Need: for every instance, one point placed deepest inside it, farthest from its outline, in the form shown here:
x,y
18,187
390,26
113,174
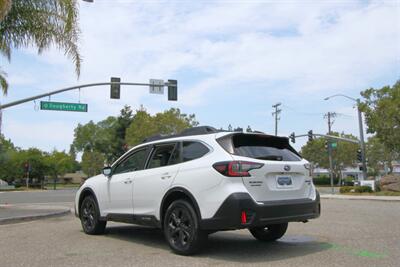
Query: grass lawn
x,y
381,193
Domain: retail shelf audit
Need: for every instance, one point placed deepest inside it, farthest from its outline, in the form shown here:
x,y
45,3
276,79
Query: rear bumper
x,y
229,214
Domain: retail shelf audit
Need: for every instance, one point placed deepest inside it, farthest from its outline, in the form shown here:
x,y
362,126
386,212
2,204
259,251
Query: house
x,y
349,171
73,178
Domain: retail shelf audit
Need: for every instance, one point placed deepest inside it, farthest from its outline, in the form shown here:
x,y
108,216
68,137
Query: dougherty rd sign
x,y
61,106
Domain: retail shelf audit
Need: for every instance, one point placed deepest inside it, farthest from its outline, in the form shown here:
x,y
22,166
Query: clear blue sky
x,y
233,60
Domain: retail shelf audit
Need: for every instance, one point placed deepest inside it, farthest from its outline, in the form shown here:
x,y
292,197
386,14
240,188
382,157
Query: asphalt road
x,y
348,233
35,197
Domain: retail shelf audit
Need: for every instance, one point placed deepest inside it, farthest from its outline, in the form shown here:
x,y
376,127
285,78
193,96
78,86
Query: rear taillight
x,y
236,168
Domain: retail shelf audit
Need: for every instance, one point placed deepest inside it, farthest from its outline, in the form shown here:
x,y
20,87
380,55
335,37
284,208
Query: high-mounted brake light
x,y
236,168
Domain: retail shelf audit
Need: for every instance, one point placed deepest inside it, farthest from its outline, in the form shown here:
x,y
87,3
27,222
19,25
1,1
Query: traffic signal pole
x,y
21,101
330,115
14,103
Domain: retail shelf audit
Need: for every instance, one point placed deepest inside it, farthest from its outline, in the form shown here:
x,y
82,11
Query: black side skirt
x,y
146,220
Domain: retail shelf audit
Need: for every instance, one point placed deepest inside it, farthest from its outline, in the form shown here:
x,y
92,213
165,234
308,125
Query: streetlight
x,y
360,126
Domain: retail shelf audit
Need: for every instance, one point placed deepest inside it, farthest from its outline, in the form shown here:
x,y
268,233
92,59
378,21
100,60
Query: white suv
x,y
202,181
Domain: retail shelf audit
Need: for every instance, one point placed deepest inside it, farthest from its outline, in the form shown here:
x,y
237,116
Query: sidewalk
x,y
22,212
351,197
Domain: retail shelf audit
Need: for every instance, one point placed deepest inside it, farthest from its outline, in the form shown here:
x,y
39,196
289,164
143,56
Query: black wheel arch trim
x,y
87,189
180,190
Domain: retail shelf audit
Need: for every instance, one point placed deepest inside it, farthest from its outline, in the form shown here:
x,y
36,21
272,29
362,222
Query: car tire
x,y
269,233
90,217
182,230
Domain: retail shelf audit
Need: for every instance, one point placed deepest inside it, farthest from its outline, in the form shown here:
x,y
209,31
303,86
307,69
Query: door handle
x,y
128,181
165,176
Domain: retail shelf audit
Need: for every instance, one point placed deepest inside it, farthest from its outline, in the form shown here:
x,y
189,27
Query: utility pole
x,y
330,116
362,142
276,114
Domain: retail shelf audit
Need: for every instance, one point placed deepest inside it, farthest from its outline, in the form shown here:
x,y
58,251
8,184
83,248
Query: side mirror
x,y
107,171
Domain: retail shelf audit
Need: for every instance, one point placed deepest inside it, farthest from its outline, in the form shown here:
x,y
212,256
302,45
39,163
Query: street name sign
x,y
156,86
62,106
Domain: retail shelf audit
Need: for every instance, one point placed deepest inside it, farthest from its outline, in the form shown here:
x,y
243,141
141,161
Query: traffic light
x,y
359,155
310,135
115,90
172,90
292,137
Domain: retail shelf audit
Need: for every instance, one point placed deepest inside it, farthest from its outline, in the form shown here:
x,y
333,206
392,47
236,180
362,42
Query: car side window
x,y
193,150
133,162
161,156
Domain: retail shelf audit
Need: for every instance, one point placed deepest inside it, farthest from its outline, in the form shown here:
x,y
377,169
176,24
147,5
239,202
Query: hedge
x,y
356,189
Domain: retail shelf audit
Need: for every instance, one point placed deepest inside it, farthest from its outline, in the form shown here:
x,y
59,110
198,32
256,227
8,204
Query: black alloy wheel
x,y
89,214
181,228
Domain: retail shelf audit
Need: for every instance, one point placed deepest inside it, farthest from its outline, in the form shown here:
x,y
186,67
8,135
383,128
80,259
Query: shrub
x,y
355,189
324,180
347,189
349,181
363,189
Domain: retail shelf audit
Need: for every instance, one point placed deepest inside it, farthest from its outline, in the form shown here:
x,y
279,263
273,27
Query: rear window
x,y
260,147
193,150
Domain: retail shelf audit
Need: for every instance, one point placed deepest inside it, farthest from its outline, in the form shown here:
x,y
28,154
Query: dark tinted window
x,y
193,150
133,162
264,147
161,156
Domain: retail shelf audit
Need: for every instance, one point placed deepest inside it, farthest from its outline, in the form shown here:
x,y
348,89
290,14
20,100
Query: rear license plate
x,y
284,181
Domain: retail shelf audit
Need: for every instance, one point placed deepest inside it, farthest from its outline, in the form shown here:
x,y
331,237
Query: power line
x,y
302,113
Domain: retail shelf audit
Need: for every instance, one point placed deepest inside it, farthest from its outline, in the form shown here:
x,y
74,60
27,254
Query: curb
x,y
376,198
27,218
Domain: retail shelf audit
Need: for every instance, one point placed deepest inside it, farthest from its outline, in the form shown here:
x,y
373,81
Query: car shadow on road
x,y
231,246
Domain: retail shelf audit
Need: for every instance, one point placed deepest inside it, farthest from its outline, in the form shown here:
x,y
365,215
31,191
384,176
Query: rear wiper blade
x,y
271,157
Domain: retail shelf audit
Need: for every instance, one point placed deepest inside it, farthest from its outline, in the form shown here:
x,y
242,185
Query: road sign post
x,y
156,86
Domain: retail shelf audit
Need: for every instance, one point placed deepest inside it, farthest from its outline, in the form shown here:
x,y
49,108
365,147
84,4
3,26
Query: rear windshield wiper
x,y
270,157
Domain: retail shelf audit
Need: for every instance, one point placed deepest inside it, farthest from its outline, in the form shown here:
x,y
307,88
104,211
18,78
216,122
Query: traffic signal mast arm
x,y
331,137
14,103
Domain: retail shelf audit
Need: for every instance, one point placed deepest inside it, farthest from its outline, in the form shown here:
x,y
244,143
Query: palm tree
x,y
39,23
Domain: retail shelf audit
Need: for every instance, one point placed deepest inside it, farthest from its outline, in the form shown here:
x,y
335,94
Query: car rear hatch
x,y
281,173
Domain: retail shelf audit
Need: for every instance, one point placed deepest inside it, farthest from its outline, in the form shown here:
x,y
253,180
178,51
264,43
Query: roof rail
x,y
199,130
189,131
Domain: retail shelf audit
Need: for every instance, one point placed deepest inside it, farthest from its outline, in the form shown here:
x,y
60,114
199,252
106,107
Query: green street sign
x,y
60,106
334,145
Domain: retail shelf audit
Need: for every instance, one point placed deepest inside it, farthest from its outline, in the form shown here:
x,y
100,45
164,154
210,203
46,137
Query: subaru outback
x,y
201,181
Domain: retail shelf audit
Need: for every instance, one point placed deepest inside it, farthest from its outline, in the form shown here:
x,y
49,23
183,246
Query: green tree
x,y
92,162
59,163
35,158
378,155
142,126
7,155
343,156
168,122
39,23
106,136
382,113
124,120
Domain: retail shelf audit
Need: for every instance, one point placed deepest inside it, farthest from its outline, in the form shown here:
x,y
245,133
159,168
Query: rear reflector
x,y
243,217
236,168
